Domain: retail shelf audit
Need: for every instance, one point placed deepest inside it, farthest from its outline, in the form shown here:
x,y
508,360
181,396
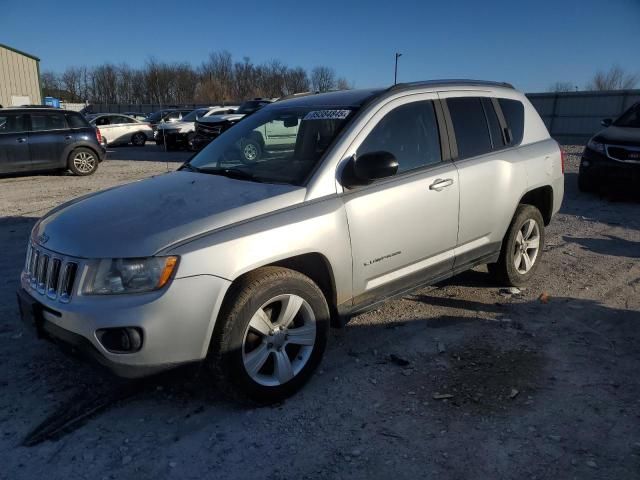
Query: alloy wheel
x,y
279,340
527,246
250,152
84,162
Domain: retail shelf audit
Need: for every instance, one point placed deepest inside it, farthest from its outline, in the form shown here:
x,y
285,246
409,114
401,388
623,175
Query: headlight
x,y
595,146
128,275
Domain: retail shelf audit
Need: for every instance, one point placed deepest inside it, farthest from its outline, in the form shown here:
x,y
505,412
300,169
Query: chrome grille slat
x,y
50,274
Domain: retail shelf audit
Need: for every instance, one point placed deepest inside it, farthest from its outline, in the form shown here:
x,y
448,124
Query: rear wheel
x,y
82,161
139,139
271,336
521,248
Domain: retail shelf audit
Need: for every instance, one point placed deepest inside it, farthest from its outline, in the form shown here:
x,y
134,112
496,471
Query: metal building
x,y
19,78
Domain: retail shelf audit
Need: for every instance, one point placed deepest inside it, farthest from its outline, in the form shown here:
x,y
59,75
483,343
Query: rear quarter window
x,y
76,121
513,112
470,126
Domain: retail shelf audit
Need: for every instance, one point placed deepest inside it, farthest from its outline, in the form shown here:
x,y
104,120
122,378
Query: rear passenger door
x,y
490,173
48,138
403,228
14,145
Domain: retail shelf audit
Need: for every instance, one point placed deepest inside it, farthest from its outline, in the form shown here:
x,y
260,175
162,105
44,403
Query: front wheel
x,y
271,336
521,248
82,162
251,151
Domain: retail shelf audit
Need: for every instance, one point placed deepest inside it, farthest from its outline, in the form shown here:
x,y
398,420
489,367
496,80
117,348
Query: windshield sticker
x,y
327,115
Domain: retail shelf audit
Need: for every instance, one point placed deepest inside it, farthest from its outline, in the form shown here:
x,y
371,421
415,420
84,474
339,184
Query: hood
x,y
221,118
142,218
619,136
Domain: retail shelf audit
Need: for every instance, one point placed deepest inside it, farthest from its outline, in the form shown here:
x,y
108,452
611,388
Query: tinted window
x,y
76,121
13,122
410,133
100,121
513,112
470,126
495,130
119,119
47,121
630,118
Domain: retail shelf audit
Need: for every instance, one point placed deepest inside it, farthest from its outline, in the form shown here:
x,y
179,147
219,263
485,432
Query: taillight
x,y
562,160
98,136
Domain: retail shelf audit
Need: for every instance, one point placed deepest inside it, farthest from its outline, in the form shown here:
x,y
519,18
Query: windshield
x,y
630,118
274,145
193,116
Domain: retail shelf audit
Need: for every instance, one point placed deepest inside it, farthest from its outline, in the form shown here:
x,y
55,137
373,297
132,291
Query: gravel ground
x,y
459,380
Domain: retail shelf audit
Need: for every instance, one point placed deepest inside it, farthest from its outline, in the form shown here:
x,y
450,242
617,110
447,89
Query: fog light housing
x,y
120,340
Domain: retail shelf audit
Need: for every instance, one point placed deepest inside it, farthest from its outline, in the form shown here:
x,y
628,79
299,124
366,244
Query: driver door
x,y
403,228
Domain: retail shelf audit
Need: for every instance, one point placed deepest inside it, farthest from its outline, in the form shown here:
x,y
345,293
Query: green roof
x,y
19,51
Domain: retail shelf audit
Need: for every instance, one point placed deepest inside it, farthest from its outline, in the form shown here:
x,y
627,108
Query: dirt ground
x,y
460,380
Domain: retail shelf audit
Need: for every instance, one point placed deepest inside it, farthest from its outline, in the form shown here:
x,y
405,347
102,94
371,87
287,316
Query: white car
x,y
117,128
176,134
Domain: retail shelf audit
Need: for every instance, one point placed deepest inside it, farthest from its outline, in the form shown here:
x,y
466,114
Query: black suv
x,y
613,154
48,139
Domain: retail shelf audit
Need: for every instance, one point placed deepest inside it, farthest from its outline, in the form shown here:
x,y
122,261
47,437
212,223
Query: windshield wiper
x,y
227,172
188,166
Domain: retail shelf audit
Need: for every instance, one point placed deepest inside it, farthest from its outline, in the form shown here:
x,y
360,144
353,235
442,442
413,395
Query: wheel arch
x,y
542,199
313,265
73,148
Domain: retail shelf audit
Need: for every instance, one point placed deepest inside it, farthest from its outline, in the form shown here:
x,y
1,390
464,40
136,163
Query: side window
x,y
470,126
13,123
173,116
101,121
410,133
513,112
47,121
497,138
76,121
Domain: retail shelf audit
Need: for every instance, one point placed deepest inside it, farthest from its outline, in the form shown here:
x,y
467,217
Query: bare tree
x,y
616,78
297,80
343,84
323,79
562,87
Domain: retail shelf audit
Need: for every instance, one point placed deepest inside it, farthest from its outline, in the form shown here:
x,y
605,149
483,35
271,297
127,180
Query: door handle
x,y
21,139
441,183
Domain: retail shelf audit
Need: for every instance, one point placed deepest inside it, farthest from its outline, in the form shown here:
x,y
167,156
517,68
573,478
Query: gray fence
x,y
573,117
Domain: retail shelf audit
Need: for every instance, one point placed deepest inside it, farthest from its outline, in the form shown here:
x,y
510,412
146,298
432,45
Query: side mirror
x,y
606,122
368,167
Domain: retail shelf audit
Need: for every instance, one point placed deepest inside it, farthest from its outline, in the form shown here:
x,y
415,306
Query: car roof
x,y
358,97
37,109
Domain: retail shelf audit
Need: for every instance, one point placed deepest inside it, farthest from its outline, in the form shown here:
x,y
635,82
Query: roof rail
x,y
450,83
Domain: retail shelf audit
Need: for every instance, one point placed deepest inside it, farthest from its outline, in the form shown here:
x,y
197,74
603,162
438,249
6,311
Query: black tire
x,y
251,151
586,182
83,161
228,349
505,271
139,139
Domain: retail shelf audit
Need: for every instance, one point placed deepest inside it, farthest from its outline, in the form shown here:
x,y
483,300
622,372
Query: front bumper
x,y
176,322
599,166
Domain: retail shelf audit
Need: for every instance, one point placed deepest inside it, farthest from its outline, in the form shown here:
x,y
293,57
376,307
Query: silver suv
x,y
244,264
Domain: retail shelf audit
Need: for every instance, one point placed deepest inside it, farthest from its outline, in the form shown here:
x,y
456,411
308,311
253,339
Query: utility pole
x,y
395,74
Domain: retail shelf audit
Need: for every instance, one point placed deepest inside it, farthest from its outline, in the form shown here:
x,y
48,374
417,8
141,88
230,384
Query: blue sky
x,y
529,43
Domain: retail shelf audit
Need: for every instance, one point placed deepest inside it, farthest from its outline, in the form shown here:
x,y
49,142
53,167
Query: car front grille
x,y
50,274
208,130
624,153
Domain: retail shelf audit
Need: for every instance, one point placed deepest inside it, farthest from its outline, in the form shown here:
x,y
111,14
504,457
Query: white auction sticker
x,y
327,115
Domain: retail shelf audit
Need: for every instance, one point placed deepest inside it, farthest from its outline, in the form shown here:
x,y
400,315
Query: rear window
x,y
513,112
470,126
47,121
76,121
